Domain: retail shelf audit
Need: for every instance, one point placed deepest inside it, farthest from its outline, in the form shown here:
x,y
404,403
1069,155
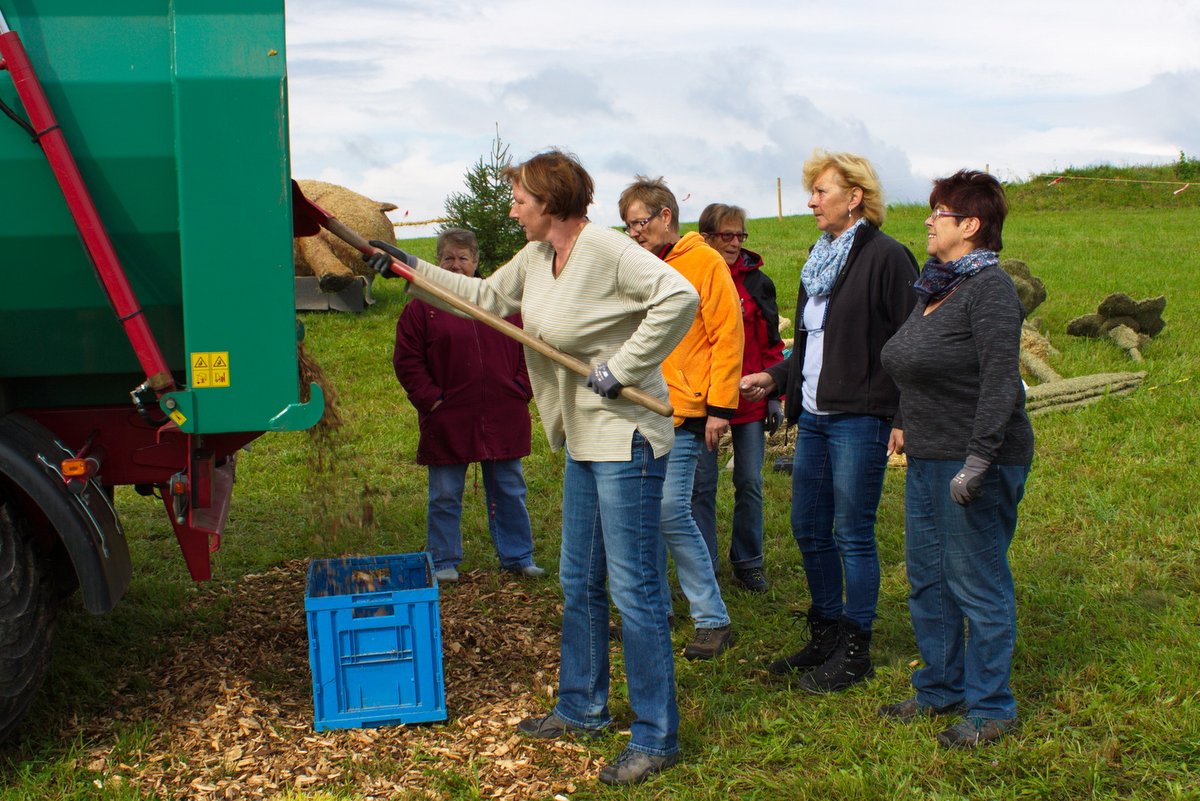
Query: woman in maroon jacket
x,y
471,391
724,228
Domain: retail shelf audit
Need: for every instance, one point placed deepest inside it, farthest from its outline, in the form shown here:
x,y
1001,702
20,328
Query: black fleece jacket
x,y
870,300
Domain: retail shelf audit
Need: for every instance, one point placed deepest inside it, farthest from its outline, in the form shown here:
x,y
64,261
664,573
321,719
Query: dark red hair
x,y
975,194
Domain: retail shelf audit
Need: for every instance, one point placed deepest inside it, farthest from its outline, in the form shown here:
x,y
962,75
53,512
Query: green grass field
x,y
1105,560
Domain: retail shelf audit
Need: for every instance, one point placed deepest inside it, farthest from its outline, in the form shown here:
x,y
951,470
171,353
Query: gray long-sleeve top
x,y
958,371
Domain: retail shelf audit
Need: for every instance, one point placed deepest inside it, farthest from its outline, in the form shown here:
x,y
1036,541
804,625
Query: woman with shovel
x,y
596,294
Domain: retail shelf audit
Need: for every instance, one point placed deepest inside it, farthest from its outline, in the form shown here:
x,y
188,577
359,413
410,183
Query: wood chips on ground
x,y
230,712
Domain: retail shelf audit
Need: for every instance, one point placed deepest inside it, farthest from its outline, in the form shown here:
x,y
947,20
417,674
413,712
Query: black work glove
x,y
603,382
966,486
774,415
382,262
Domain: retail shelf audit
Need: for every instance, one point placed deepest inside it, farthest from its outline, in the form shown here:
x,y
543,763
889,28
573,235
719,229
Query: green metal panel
x,y
177,115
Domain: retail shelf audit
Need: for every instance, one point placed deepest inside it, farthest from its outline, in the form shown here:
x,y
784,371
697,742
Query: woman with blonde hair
x,y
855,292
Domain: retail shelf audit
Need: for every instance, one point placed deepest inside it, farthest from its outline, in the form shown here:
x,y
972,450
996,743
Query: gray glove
x,y
382,262
603,382
966,486
774,415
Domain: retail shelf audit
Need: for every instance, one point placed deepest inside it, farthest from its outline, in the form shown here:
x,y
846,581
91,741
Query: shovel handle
x,y
356,240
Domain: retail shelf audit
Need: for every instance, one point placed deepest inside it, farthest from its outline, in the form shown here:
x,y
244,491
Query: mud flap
x,y
84,521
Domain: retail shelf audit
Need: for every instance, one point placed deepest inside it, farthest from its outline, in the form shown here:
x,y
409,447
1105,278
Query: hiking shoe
x,y
551,727
910,709
707,643
752,579
849,663
528,571
974,732
631,767
447,575
823,639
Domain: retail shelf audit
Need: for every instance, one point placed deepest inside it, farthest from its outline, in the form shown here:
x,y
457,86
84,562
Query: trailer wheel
x,y
28,607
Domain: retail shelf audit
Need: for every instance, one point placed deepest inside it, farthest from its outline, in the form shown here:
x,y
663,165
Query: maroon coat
x,y
478,374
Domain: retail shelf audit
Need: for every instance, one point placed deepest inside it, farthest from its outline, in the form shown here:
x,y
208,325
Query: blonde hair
x,y
853,170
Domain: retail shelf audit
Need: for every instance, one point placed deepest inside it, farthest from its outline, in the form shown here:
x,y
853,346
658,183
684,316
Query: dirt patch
x,y
231,713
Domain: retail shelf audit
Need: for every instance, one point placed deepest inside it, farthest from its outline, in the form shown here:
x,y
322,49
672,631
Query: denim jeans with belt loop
x,y
746,541
962,600
611,513
837,478
508,517
693,564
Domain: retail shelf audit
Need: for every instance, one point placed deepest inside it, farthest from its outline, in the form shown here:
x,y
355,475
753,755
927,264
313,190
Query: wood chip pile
x,y
229,714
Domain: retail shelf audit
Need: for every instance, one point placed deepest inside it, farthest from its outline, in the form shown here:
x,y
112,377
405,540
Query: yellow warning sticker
x,y
178,417
210,369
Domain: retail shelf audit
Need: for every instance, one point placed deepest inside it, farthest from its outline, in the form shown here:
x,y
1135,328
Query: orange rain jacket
x,y
703,371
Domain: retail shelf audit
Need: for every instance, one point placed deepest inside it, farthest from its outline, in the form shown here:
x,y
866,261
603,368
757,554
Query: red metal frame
x,y
137,452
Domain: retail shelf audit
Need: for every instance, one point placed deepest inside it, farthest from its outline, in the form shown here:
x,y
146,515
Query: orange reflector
x,y
179,487
73,468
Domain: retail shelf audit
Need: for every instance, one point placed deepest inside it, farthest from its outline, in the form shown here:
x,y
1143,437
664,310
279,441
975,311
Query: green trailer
x,y
147,324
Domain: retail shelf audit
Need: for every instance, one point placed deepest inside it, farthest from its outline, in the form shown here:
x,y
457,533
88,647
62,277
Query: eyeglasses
x,y
729,236
943,213
635,226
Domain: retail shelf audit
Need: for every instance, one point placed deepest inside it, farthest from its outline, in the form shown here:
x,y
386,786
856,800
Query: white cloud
x,y
397,99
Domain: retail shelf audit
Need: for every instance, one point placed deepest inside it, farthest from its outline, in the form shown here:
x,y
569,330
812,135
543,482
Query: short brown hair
x,y
853,170
653,194
557,179
458,238
717,214
975,194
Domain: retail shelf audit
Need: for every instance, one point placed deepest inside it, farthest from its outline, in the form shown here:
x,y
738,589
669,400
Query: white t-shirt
x,y
814,351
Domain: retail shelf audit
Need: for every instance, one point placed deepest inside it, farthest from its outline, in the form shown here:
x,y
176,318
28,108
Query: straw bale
x,y
332,261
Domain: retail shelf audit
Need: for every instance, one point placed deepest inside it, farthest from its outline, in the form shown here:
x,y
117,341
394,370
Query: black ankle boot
x,y
823,639
849,663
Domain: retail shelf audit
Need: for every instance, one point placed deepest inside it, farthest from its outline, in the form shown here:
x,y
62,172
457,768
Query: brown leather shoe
x,y
632,767
707,643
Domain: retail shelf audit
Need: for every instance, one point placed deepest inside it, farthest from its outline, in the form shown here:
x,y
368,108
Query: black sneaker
x,y
632,767
752,579
910,709
974,732
707,643
551,727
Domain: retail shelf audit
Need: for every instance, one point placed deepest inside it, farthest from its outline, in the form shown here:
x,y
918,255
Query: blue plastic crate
x,y
374,641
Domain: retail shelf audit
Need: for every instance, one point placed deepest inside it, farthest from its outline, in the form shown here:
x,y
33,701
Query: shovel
x,y
308,216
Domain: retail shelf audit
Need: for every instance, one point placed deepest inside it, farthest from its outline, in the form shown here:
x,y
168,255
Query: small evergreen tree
x,y
484,207
1187,169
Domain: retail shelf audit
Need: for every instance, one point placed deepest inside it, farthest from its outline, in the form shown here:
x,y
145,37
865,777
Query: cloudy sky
x,y
397,99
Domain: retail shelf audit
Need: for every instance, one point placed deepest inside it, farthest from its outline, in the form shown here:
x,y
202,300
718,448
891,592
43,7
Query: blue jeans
x,y
610,532
837,478
957,559
508,519
693,564
746,543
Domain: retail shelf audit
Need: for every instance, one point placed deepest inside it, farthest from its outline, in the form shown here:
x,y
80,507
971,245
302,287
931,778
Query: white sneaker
x,y
446,575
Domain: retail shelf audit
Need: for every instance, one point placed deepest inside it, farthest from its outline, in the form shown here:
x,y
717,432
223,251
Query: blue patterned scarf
x,y
826,260
938,279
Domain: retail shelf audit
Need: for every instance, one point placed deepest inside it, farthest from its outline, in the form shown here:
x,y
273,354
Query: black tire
x,y
28,607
